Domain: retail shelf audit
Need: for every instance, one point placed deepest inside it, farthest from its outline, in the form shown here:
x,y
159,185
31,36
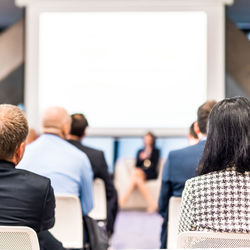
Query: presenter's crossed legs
x,y
138,181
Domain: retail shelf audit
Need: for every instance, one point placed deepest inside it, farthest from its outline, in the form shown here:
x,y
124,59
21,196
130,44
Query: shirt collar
x,y
6,164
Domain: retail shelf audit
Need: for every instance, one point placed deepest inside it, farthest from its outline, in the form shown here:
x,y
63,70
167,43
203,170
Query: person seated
x,y
218,199
52,156
146,169
180,166
32,136
98,164
193,138
27,199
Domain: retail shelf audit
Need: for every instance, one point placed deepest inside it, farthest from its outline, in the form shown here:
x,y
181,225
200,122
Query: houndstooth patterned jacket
x,y
218,201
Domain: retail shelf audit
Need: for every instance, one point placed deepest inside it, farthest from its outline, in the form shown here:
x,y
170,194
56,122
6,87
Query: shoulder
x,y
187,150
206,179
33,178
92,150
156,150
85,149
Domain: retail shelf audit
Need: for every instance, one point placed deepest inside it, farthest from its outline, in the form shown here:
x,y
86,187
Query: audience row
x,y
217,199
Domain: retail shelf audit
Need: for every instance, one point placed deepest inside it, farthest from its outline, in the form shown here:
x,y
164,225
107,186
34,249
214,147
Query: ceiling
x,y
239,13
9,13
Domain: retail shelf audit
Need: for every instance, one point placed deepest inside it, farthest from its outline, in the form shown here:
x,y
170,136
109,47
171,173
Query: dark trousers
x,y
112,210
164,234
48,242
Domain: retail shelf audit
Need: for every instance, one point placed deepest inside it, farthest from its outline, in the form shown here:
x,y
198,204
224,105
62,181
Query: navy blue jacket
x,y
179,167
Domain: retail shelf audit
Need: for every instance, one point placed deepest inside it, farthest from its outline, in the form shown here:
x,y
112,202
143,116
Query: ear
x,y
65,131
196,128
19,153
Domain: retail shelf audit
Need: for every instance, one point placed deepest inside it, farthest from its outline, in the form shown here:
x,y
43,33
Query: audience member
x,y
218,199
192,136
50,155
146,169
27,199
32,136
181,166
99,166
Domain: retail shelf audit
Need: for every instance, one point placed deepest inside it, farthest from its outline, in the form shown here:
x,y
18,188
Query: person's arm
x,y
104,175
48,213
166,190
138,160
86,186
186,221
155,156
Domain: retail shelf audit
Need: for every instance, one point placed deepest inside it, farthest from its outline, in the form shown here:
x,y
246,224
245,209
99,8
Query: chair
x,y
68,226
174,210
197,239
18,238
123,173
99,212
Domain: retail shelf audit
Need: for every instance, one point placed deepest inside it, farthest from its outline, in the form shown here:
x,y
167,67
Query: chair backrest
x,y
174,210
99,212
18,238
196,239
68,226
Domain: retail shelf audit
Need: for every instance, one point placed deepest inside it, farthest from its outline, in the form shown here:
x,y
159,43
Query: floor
x,y
136,230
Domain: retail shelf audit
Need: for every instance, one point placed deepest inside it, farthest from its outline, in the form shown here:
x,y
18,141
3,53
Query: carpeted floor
x,y
136,230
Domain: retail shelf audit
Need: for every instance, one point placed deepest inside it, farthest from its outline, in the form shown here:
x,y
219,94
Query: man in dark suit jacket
x,y
180,166
99,166
27,199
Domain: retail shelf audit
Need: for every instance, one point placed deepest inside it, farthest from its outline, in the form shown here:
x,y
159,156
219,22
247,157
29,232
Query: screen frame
x,y
214,10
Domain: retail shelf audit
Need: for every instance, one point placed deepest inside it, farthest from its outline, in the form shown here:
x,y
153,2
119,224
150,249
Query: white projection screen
x,y
129,66
126,69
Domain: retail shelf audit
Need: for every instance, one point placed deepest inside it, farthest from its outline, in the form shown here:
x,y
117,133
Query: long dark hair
x,y
228,139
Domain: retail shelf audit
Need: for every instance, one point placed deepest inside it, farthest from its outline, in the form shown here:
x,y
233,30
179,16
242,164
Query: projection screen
x,y
128,70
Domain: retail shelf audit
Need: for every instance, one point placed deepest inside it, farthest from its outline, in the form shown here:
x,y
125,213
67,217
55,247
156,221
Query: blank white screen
x,y
124,69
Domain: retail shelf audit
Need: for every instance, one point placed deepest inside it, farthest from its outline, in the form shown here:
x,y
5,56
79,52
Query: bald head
x,y
56,120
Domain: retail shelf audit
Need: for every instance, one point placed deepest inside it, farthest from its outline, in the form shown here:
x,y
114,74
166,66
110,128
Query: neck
x,y
53,131
74,137
202,136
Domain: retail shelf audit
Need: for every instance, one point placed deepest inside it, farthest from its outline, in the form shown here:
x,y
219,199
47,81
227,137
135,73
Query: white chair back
x,y
197,239
99,212
174,210
18,238
68,226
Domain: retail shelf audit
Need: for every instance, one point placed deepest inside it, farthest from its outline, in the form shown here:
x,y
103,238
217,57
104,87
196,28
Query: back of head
x,y
228,140
202,115
192,133
13,130
56,120
78,125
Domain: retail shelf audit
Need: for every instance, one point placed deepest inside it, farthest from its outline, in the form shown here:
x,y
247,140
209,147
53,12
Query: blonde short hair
x,y
13,130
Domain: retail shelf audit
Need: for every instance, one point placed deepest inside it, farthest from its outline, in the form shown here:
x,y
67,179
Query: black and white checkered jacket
x,y
218,201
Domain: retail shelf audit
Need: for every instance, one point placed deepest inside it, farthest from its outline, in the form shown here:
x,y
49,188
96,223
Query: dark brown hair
x,y
78,125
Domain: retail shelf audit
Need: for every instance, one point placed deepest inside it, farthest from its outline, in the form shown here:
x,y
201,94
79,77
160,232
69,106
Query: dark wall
x,y
12,87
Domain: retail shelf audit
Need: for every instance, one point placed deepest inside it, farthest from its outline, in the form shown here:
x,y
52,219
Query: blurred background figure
x,y
192,135
146,169
32,136
180,166
98,164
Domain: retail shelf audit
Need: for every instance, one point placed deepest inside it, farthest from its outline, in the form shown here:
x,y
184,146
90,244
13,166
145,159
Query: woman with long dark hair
x,y
219,199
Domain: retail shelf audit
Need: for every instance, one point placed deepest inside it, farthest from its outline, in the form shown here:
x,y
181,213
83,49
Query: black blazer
x,y
100,170
150,171
99,166
26,199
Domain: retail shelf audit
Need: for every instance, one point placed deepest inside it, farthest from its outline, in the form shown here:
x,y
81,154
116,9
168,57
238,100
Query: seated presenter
x,y
146,169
